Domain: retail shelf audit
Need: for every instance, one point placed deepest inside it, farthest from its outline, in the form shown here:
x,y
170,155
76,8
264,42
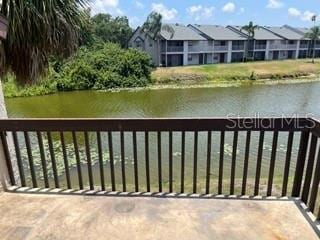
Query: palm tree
x,y
250,32
313,35
153,28
38,29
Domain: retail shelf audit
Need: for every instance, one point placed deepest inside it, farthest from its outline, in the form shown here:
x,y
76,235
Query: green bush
x,y
106,66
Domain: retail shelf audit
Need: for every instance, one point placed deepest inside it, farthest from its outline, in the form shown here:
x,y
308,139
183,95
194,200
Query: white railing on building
x,y
175,49
260,47
292,46
278,46
200,49
237,47
220,48
304,46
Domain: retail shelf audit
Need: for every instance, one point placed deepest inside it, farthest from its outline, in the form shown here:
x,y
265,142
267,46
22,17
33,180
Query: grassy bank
x,y
205,75
274,70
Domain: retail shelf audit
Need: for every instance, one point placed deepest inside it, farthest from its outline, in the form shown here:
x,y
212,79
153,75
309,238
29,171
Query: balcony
x,y
220,48
317,46
304,46
278,46
265,172
200,49
175,49
291,46
260,47
238,47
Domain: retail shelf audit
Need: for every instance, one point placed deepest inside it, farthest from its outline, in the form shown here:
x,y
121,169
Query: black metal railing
x,y
267,157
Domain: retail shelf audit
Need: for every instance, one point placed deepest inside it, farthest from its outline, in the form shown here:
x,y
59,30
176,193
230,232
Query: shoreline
x,y
204,84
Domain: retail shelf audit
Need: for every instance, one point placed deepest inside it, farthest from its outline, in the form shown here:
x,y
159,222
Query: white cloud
x,y
168,14
241,10
229,7
138,4
307,15
106,6
304,16
293,12
275,4
199,12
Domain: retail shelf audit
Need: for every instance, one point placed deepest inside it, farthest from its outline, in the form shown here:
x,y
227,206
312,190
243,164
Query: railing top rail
x,y
161,124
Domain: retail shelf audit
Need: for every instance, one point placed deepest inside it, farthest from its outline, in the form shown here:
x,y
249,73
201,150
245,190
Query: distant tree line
x,y
105,28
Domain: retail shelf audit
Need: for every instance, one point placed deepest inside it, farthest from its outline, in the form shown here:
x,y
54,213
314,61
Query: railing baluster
x,y
170,163
309,171
272,162
315,185
208,162
53,161
8,158
65,160
259,160
19,161
147,160
90,174
123,163
100,154
183,150
76,151
246,164
195,162
300,164
221,162
287,164
30,158
233,162
43,160
159,162
135,161
113,183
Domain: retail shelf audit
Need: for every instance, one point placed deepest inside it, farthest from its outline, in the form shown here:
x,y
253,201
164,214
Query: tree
x,y
37,30
313,35
108,29
153,27
250,32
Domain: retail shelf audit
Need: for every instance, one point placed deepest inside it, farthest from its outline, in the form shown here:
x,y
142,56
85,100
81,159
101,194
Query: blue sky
x,y
223,12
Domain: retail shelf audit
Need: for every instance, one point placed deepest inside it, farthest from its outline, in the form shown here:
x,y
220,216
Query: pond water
x,y
273,100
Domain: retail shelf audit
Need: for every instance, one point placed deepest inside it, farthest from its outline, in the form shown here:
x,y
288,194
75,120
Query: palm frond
x,y
169,29
38,29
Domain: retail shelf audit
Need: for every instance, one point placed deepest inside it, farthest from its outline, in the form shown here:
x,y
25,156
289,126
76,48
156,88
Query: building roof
x,y
260,33
181,32
300,30
217,32
285,32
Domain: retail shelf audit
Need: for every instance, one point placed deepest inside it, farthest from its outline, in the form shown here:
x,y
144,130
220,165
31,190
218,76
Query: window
x,y
138,44
150,45
189,57
190,44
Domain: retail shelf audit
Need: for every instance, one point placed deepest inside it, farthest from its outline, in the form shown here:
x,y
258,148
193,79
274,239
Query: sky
x,y
221,12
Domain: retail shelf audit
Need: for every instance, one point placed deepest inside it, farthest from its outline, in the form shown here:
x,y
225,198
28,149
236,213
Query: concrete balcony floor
x,y
40,216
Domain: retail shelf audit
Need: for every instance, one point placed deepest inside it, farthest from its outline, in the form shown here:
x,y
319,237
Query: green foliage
x,y
12,89
103,66
153,26
37,30
105,28
108,66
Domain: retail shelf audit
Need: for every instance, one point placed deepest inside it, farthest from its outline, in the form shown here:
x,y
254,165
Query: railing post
x,y
6,172
300,163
